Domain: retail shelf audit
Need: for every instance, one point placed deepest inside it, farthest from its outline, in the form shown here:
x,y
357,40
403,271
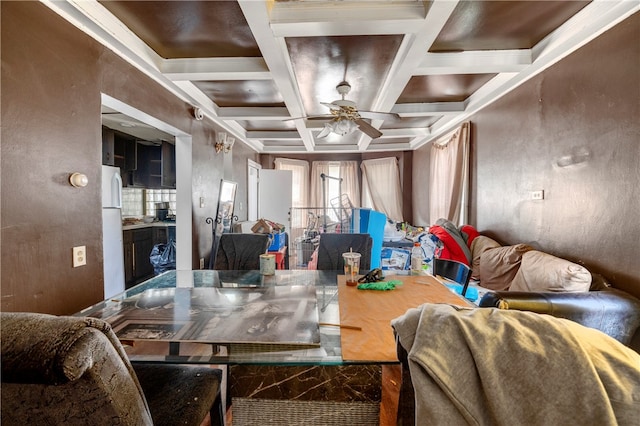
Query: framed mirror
x,y
226,201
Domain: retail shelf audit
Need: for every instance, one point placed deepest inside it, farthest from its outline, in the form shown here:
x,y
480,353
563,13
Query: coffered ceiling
x,y
260,69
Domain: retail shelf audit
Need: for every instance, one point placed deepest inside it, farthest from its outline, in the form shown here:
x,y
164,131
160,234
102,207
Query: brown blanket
x,y
490,367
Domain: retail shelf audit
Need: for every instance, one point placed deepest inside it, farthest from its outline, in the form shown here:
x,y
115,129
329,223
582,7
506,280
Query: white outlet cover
x,y
79,256
537,195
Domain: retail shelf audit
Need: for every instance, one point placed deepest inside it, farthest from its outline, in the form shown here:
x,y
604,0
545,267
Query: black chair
x,y
453,270
240,252
331,247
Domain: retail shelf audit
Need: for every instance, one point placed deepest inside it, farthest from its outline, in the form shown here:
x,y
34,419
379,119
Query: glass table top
x,y
210,317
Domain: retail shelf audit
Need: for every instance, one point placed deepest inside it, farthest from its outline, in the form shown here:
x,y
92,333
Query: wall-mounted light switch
x,y
201,202
79,256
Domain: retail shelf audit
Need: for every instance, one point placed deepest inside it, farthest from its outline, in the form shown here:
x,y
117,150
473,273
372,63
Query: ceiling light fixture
x,y
78,180
223,143
340,126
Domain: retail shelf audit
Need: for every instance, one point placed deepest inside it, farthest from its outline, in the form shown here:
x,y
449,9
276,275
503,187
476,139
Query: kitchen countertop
x,y
148,225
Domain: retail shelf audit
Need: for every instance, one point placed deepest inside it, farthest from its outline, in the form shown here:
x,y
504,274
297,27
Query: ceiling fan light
x,y
344,127
325,132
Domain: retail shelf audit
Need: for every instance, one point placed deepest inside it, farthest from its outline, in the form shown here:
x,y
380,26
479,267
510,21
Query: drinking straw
x,y
353,277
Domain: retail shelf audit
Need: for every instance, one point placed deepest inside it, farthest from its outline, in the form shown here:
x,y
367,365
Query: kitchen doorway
x,y
183,152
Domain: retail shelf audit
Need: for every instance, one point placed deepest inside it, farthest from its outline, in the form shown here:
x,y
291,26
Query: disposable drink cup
x,y
351,267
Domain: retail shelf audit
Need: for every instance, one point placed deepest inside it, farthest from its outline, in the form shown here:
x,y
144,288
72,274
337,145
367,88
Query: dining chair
x,y
240,252
62,370
453,270
331,247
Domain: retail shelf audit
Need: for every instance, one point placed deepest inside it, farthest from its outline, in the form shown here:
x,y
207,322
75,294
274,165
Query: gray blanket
x,y
491,367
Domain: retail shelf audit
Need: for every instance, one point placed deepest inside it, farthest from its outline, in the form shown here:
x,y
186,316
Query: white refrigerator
x,y
112,249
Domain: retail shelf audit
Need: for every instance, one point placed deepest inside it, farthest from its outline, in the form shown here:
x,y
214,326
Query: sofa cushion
x,y
544,272
478,246
498,266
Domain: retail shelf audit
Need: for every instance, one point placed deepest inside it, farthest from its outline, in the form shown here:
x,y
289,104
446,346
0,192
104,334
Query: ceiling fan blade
x,y
330,105
373,115
368,129
311,117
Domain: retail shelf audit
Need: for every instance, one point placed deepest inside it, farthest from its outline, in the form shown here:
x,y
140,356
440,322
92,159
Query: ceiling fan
x,y
346,118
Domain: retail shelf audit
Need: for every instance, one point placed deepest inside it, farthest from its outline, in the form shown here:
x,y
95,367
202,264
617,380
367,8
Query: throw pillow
x,y
498,266
544,272
478,246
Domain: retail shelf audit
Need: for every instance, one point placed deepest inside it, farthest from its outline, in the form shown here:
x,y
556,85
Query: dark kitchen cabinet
x,y
159,235
129,273
108,147
142,164
156,166
138,244
120,150
168,172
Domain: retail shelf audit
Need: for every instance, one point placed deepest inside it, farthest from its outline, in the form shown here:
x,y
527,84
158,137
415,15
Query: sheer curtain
x,y
449,177
300,183
381,187
315,191
347,170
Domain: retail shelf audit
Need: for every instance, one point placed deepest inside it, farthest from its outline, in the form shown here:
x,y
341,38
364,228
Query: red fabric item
x,y
451,249
471,232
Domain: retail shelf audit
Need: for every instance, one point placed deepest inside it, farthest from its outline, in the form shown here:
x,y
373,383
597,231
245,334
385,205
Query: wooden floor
x,y
391,381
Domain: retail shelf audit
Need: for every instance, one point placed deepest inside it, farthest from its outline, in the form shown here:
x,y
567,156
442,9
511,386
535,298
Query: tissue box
x,y
277,241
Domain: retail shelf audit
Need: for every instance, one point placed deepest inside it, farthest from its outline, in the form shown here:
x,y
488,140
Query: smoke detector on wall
x,y
198,114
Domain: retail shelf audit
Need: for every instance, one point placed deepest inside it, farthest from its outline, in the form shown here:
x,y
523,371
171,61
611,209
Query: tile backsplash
x,y
132,202
138,202
153,196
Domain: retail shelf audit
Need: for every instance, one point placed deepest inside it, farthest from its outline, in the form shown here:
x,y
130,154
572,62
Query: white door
x,y
253,169
275,195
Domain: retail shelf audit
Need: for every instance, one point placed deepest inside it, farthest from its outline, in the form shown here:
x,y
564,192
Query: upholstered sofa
x,y
520,277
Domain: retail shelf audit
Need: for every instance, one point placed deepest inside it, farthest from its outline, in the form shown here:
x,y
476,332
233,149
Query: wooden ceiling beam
x,y
428,109
214,69
274,52
474,62
306,19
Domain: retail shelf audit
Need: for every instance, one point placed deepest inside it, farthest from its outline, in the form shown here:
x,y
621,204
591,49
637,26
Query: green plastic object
x,y
383,285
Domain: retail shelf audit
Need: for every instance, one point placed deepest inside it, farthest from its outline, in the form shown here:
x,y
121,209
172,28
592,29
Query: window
x,y
449,177
381,187
300,179
333,187
300,185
